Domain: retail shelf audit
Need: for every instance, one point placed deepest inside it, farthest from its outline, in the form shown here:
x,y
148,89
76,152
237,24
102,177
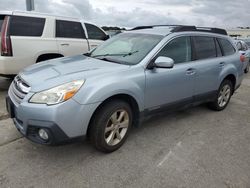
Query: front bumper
x,y
62,122
56,135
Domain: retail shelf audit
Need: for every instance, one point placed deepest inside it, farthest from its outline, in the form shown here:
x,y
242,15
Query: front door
x,y
172,86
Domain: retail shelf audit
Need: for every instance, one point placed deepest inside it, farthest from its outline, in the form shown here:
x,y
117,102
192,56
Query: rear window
x,y
244,46
248,43
205,47
218,49
26,26
69,29
227,47
1,21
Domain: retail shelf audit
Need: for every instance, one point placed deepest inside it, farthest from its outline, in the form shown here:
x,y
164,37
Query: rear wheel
x,y
110,126
247,68
46,57
223,96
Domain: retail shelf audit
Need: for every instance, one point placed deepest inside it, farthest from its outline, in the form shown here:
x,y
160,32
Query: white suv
x,y
30,37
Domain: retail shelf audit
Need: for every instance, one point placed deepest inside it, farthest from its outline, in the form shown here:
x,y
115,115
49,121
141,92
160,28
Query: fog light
x,y
43,134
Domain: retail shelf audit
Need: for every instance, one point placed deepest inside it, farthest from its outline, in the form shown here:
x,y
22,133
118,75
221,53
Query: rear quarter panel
x,y
27,49
234,67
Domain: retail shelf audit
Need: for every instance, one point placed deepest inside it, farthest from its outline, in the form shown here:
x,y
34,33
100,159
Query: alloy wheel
x,y
224,95
116,127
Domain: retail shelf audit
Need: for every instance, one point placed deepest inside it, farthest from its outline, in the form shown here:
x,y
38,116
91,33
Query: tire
x,y
247,68
223,96
107,120
46,57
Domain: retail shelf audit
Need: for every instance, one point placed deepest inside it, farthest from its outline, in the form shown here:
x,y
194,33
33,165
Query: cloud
x,y
75,8
168,2
130,13
135,17
224,13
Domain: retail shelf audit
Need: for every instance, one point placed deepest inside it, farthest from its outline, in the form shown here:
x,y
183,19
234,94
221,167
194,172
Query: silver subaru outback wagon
x,y
104,93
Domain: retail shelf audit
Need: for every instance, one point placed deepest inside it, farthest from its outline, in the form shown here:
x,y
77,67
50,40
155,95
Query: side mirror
x,y
106,37
164,62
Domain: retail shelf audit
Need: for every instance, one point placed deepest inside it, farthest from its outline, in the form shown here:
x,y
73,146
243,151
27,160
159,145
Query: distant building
x,y
239,32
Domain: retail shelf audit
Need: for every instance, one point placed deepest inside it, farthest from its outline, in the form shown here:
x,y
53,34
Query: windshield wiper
x,y
86,54
122,54
110,60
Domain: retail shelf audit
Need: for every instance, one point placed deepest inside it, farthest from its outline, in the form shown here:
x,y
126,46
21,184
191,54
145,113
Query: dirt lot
x,y
192,148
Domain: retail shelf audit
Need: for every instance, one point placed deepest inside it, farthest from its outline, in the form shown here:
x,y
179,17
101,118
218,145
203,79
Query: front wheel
x,y
223,96
110,126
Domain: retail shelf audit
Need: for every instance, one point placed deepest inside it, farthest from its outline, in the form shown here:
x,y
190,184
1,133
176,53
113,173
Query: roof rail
x,y
201,29
152,26
183,28
141,27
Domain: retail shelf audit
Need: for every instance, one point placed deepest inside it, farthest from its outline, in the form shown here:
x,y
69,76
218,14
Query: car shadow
x,y
83,147
5,84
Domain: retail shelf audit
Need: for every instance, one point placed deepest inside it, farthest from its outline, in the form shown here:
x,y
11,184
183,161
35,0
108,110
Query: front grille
x,y
18,89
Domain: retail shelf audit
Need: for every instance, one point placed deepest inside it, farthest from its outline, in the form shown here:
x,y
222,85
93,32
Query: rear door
x,y
71,38
209,64
95,35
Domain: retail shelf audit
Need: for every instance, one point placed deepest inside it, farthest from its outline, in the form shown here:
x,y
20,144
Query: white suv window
x,y
95,33
1,21
26,26
69,29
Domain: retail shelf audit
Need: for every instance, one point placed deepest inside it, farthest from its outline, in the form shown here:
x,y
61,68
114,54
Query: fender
x,y
107,88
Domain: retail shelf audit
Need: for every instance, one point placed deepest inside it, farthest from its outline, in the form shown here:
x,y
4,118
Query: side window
x,y
245,48
227,47
69,29
95,33
204,47
218,49
239,46
26,26
1,21
178,49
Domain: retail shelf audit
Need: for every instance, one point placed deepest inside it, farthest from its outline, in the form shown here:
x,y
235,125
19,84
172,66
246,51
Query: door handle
x,y
93,46
222,64
190,71
64,44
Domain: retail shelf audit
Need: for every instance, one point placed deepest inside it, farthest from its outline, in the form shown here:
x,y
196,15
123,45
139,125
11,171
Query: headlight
x,y
57,94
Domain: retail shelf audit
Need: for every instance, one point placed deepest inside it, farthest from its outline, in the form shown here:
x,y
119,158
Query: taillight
x,y
6,48
242,58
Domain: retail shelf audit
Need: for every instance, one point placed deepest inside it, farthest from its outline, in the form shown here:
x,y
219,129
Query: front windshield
x,y
126,48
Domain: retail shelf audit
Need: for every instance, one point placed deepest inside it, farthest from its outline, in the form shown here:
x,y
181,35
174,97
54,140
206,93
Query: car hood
x,y
58,71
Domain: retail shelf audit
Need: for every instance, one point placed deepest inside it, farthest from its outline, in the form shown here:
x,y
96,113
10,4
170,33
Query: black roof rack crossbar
x,y
141,27
152,26
182,28
201,29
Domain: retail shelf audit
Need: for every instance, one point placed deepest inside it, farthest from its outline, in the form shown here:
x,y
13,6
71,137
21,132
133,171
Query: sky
x,y
131,13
